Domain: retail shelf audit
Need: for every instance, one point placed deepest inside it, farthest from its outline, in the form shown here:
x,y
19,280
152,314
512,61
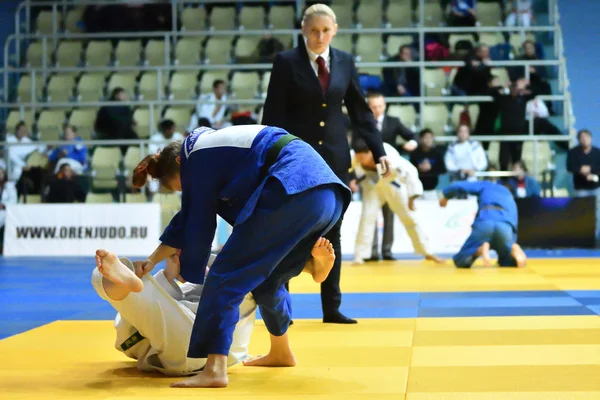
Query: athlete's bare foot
x,y
322,260
280,354
115,271
204,379
435,259
519,255
484,252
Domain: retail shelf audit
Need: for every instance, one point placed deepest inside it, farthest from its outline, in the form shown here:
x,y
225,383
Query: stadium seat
x,y
14,117
105,165
170,204
244,85
130,161
489,14
44,23
60,88
399,14
370,14
493,153
99,198
69,53
543,156
435,82
282,17
91,86
98,53
208,77
223,18
125,80
180,115
369,48
193,19
433,14
435,117
49,124
252,17
458,108
516,40
491,39
394,43
245,46
375,71
502,75
406,114
183,85
457,37
218,50
343,15
149,86
72,23
264,84
37,159
343,42
30,199
35,54
24,87
154,53
135,197
128,52
83,120
144,126
187,51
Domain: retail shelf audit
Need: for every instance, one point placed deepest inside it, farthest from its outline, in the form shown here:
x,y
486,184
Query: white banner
x,y
80,229
446,228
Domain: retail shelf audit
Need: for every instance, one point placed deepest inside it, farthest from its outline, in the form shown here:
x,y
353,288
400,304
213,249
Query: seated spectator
x,y
523,185
17,155
208,110
583,161
391,128
538,74
537,110
465,157
8,195
115,122
402,81
520,14
72,153
488,112
463,13
64,188
473,78
429,160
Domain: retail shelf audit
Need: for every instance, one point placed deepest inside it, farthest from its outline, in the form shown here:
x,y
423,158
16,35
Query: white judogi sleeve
x,y
403,171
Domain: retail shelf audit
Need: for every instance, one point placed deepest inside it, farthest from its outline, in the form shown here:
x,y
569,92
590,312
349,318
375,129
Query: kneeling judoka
x,y
399,191
156,315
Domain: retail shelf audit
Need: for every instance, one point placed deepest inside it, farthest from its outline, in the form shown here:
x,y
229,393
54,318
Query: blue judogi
x,y
276,216
496,221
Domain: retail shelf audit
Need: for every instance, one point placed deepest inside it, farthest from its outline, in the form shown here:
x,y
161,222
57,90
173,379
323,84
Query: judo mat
x,y
425,332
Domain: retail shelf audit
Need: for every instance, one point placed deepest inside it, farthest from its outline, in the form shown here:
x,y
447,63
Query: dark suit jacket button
x,y
324,105
322,123
320,142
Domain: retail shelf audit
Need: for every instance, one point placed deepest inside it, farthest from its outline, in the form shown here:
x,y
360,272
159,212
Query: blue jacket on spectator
x,y
77,152
532,187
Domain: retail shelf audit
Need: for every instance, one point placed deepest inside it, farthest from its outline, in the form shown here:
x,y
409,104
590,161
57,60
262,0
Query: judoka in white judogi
x,y
398,191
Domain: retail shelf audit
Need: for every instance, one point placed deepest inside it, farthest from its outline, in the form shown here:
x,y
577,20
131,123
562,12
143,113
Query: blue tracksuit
x,y
496,221
276,221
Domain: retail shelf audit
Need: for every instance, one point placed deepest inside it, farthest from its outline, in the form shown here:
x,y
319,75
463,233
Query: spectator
x,y
8,195
537,74
521,13
465,157
537,110
488,112
17,155
523,185
64,188
583,162
167,133
72,153
512,106
265,51
473,78
391,128
207,110
463,13
115,122
402,81
429,160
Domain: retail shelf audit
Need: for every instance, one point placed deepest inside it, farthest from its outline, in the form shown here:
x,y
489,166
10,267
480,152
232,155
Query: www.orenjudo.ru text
x,y
80,232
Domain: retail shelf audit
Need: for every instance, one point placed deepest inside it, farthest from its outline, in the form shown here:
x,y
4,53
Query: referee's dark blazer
x,y
296,102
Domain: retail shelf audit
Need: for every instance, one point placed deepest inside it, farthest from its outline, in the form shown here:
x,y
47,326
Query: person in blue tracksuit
x,y
279,196
495,225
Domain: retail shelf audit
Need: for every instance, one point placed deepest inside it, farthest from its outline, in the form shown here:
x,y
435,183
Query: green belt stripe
x,y
132,341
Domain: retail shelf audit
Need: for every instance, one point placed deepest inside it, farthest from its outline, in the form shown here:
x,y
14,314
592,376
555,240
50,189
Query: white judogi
x,y
395,190
163,314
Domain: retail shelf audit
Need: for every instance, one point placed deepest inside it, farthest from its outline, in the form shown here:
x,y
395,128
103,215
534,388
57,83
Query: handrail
x,y
495,174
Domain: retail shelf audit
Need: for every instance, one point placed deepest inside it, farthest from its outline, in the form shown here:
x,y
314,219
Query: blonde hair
x,y
318,9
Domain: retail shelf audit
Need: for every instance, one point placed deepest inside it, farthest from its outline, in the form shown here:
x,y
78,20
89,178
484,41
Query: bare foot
x,y
272,360
435,259
484,251
115,271
323,259
519,255
204,379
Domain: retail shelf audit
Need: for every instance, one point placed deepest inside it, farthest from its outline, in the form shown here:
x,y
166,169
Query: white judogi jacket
x,y
395,191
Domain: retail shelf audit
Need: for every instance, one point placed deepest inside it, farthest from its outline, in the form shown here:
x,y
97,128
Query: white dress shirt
x,y
205,109
312,56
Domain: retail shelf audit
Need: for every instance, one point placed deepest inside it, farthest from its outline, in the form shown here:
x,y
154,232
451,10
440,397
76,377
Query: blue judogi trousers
x,y
499,234
262,254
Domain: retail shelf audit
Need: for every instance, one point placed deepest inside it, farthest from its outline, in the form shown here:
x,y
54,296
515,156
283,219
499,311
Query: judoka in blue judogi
x,y
495,225
279,196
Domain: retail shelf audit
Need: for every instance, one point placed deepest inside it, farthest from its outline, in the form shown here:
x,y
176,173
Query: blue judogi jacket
x,y
489,194
221,175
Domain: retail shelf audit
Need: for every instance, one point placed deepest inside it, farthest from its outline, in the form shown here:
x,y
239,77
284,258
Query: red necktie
x,y
323,73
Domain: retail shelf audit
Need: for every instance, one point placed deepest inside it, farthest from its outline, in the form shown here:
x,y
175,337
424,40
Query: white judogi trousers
x,y
163,314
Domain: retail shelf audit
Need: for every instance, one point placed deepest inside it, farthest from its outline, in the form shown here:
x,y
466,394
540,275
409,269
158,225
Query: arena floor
x,y
425,332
